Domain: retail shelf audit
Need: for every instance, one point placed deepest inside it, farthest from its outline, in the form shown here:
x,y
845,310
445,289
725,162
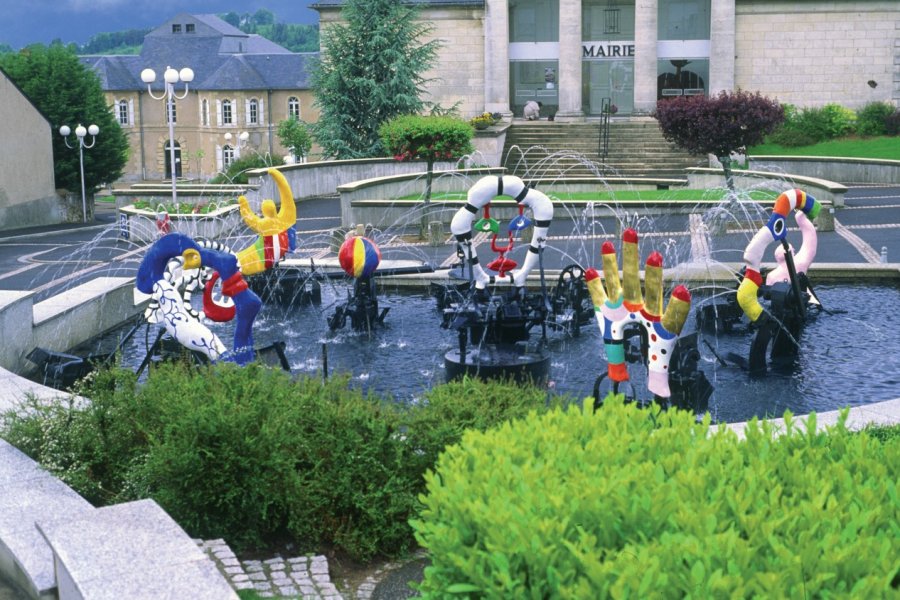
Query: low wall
x,y
821,189
489,146
844,170
62,321
49,210
383,189
315,179
139,225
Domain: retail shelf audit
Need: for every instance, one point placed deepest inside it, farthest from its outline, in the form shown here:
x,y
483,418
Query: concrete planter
x,y
141,225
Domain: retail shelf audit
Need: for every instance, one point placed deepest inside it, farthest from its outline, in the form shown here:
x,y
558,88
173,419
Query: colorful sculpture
x,y
773,231
480,196
802,258
359,257
155,277
276,231
616,307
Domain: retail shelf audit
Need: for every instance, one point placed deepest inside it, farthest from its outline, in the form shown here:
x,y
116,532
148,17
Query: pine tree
x,y
371,69
69,93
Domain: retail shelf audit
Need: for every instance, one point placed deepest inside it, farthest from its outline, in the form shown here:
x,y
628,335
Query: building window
x,y
681,77
253,112
176,28
189,28
607,20
293,107
683,20
204,112
533,20
122,112
227,157
227,116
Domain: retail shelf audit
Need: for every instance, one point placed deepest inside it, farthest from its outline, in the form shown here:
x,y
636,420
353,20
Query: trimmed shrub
x,y
872,118
251,455
237,171
807,126
632,503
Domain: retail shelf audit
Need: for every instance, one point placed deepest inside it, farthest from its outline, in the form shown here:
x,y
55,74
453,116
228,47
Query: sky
x,y
42,21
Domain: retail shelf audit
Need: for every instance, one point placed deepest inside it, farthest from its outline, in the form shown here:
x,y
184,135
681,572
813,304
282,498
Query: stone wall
x,y
815,53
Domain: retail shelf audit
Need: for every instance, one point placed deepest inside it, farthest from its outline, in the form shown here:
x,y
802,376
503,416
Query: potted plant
x,y
482,121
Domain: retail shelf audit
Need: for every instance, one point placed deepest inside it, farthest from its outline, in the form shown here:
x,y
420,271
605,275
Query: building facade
x,y
242,84
27,191
575,55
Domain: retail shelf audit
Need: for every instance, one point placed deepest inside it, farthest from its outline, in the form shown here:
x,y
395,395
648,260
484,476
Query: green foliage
x,y
632,503
718,125
892,123
414,137
872,118
295,37
68,93
117,42
294,135
249,455
237,171
371,70
810,125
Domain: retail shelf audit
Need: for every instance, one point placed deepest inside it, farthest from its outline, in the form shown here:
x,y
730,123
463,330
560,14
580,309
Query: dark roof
x,y
221,56
338,3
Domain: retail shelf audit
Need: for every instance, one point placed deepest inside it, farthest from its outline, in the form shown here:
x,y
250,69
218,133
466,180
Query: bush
x,y
414,137
872,118
250,455
237,171
807,126
634,503
892,123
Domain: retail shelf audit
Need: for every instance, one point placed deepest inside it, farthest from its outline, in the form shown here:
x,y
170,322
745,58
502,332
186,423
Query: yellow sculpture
x,y
275,229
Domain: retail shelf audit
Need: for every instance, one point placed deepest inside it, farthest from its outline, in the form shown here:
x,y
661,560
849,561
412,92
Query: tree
x,y
294,135
718,125
68,93
371,70
232,18
414,137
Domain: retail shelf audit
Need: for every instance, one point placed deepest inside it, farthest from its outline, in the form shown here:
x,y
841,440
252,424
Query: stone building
x,y
27,191
572,54
242,83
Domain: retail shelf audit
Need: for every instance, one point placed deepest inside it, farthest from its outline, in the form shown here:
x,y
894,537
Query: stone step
x,y
133,550
29,493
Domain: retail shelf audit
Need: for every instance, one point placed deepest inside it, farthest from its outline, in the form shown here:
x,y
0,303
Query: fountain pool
x,y
849,358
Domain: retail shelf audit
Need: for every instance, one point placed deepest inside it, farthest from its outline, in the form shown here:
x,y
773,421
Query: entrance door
x,y
613,79
169,160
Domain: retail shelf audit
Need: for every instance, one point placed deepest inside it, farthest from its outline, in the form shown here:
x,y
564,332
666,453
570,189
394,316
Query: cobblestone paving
x,y
305,577
301,577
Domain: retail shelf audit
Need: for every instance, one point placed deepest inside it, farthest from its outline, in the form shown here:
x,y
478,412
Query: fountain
x,y
510,321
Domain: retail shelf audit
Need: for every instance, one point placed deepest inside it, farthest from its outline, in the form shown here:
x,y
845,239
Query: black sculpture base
x,y
495,361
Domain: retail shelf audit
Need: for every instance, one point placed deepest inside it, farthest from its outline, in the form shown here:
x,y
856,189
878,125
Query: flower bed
x,y
141,222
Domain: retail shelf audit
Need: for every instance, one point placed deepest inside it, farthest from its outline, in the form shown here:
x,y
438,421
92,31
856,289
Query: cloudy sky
x,y
42,21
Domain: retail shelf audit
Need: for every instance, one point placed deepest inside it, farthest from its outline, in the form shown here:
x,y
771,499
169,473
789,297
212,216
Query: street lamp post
x,y
171,77
80,133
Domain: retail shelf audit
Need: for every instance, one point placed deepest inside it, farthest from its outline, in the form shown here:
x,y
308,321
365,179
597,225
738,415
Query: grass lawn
x,y
852,147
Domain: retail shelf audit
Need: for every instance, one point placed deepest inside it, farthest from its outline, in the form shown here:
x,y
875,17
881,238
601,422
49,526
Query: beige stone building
x,y
27,192
242,84
575,55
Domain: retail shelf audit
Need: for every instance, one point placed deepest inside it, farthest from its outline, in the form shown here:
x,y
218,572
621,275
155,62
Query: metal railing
x,y
603,149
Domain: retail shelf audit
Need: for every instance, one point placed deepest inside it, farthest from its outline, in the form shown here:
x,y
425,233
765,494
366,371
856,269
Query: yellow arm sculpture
x,y
272,227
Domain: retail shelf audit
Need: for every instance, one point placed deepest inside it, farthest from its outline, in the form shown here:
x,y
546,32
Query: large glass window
x,y
533,20
682,77
534,80
683,19
603,20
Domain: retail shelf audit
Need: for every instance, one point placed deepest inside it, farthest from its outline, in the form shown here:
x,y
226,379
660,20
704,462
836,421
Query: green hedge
x,y
255,457
631,503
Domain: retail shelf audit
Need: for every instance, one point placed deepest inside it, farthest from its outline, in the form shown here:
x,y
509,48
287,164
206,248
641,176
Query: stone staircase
x,y
550,150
